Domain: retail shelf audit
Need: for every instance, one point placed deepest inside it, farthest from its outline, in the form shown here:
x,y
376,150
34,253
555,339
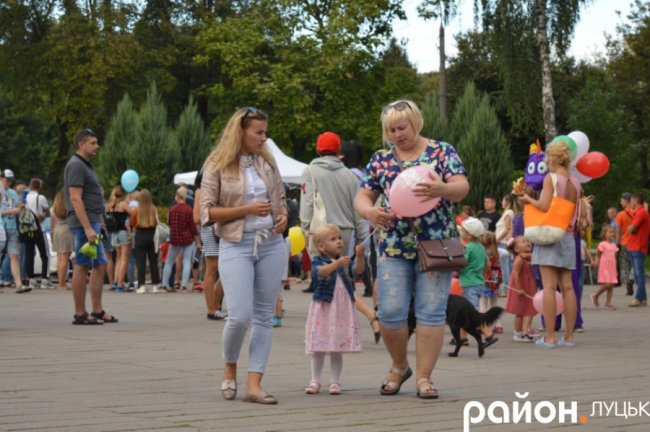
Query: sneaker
x,y
522,337
33,284
141,290
497,329
287,287
156,290
277,321
638,303
532,332
579,329
113,287
221,314
23,289
120,289
46,284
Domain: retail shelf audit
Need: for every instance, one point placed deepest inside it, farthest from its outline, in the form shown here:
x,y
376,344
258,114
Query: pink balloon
x,y
538,302
593,164
401,196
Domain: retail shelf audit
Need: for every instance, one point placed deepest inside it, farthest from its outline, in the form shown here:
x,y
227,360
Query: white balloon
x,y
578,175
582,144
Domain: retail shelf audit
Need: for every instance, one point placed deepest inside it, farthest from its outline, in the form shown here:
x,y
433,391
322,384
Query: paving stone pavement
x,y
159,369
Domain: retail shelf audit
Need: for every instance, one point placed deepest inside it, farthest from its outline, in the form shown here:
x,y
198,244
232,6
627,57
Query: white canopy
x,y
290,169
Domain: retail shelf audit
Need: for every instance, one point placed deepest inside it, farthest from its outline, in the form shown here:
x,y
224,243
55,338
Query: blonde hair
x,y
182,193
225,156
390,115
117,196
557,154
58,206
146,210
320,233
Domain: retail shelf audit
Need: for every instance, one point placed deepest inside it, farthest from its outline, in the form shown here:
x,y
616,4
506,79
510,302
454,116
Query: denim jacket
x,y
324,286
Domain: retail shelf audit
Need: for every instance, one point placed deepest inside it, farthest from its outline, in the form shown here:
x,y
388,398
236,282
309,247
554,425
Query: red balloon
x,y
593,164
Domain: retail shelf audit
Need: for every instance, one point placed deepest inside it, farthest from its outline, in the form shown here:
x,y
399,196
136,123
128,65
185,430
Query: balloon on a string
x,y
538,302
582,144
296,240
573,148
578,175
402,198
130,180
593,164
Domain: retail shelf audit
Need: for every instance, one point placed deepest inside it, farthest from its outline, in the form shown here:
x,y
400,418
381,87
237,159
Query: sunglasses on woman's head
x,y
397,106
251,110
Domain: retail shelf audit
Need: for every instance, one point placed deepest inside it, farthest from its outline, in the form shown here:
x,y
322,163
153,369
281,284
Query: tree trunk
x,y
443,75
548,102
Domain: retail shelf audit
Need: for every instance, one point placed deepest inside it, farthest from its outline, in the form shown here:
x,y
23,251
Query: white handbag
x,y
319,215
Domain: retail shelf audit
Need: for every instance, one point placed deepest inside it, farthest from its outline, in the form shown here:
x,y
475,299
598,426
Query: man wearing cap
x,y
337,186
84,204
623,221
637,246
9,211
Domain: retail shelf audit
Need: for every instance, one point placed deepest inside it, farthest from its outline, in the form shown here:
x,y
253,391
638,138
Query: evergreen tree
x,y
151,156
485,154
463,115
121,136
435,126
192,140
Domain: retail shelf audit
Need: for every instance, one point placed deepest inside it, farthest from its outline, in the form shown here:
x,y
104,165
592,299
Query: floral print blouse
x,y
439,223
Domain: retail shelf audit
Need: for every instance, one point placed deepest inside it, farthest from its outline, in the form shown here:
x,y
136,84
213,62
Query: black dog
x,y
461,314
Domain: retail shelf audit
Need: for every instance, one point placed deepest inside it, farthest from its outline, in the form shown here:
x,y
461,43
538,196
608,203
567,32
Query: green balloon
x,y
573,147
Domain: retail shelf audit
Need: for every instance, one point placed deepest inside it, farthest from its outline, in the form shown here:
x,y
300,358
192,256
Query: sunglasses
x,y
397,106
251,110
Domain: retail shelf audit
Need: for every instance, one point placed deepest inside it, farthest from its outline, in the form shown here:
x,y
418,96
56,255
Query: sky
x,y
597,19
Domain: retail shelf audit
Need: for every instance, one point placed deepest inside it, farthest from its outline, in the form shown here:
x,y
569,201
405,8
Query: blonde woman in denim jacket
x,y
242,192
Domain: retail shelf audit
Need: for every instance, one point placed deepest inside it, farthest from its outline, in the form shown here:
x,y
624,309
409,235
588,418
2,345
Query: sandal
x,y
84,319
377,333
425,389
335,388
261,398
389,388
229,389
102,314
312,388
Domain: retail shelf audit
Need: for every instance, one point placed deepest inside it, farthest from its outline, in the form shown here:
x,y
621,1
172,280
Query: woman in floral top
x,y
398,274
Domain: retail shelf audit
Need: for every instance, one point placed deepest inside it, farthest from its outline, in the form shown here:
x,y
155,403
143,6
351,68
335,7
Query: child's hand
x,y
359,250
343,262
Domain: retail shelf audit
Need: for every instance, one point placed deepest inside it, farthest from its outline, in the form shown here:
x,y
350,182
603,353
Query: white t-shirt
x,y
37,203
501,224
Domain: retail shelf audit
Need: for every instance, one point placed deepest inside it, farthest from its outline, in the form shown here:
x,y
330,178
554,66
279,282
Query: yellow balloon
x,y
297,240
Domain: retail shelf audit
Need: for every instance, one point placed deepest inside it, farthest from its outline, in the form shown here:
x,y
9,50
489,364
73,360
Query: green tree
x,y
476,134
435,125
192,140
122,134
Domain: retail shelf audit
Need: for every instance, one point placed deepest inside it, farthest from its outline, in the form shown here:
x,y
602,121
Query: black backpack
x,y
28,225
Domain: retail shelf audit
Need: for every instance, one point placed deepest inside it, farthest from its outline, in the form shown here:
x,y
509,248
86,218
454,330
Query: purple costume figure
x,y
536,170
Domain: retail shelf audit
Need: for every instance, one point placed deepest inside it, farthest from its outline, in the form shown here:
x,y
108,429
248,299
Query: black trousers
x,y
144,249
30,252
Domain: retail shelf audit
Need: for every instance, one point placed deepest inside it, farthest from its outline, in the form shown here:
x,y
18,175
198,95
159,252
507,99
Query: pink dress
x,y
333,327
607,263
518,304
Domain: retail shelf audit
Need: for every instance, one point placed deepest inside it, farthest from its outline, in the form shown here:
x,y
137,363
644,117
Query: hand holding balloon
x,y
431,189
408,189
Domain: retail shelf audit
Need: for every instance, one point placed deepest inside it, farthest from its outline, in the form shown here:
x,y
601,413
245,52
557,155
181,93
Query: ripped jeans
x,y
400,280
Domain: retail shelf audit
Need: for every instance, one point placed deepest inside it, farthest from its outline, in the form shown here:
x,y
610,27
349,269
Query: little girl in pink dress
x,y
332,324
606,267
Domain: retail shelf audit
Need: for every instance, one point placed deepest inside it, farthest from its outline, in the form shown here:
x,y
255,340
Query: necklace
x,y
246,161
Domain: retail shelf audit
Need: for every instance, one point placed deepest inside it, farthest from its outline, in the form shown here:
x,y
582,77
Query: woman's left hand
x,y
281,224
434,188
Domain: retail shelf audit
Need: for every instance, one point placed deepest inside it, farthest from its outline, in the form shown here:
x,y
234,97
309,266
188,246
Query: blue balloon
x,y
130,180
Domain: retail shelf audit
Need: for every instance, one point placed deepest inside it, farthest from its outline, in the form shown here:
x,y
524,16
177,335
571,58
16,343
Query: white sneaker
x,y
221,314
522,337
46,284
141,290
156,290
34,284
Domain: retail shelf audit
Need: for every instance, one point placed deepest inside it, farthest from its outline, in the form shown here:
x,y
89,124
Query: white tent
x,y
290,169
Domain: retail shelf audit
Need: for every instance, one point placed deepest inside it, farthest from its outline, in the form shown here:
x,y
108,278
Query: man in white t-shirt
x,y
38,204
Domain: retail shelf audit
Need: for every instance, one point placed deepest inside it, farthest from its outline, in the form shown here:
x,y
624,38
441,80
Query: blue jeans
x,y
473,294
80,239
187,252
506,268
399,281
638,263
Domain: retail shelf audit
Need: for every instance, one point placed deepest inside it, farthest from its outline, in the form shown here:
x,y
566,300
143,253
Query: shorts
x,y
561,254
120,238
79,240
210,243
13,244
399,281
473,294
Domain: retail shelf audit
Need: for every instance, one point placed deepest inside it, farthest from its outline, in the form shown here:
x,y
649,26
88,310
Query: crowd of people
x,y
238,213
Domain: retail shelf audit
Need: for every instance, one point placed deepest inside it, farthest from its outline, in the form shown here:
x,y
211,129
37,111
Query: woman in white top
x,y
503,233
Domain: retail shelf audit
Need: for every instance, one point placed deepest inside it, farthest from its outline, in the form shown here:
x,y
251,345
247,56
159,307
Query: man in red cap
x,y
337,186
